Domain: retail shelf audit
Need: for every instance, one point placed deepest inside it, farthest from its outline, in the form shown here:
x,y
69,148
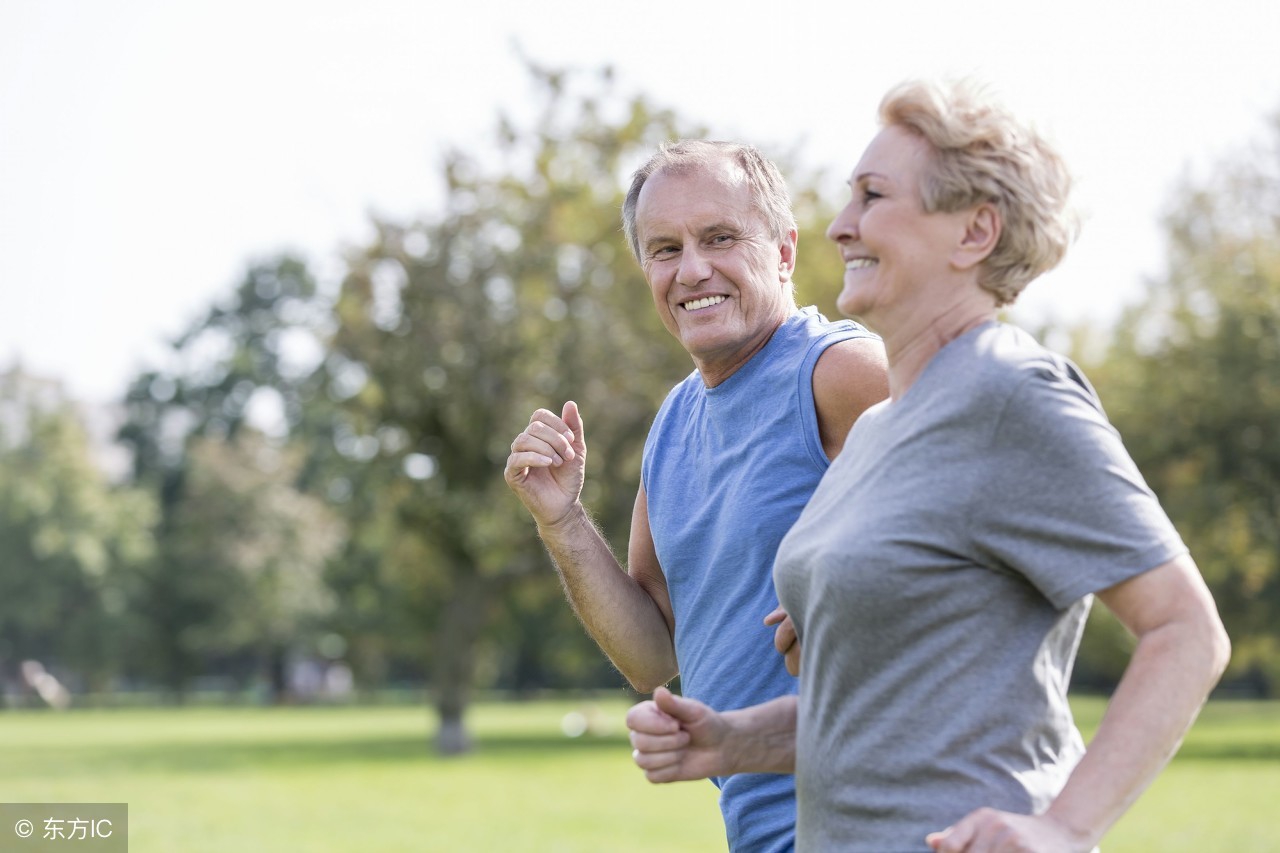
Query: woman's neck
x,y
911,347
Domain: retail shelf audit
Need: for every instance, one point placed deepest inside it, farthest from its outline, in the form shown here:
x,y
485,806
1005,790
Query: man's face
x,y
720,283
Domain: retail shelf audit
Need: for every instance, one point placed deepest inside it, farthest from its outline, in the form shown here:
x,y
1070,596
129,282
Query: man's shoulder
x,y
814,324
690,385
852,374
678,398
834,346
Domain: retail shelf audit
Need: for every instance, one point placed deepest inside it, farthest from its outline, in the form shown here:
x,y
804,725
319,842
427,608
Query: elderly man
x,y
730,461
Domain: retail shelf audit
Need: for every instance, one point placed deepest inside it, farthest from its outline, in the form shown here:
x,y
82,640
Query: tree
x,y
446,334
70,542
196,428
520,294
243,524
1192,380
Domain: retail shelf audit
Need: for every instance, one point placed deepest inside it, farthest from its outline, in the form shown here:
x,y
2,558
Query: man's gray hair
x,y
768,189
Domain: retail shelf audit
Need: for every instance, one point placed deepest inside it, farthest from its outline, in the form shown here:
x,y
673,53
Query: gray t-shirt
x,y
939,580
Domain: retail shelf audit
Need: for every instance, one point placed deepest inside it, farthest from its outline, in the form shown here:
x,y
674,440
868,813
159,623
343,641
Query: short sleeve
x,y
1063,503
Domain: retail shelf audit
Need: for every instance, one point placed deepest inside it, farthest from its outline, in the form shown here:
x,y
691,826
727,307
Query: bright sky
x,y
150,150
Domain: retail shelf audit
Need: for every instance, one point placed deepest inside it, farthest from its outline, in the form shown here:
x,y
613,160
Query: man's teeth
x,y
705,302
860,263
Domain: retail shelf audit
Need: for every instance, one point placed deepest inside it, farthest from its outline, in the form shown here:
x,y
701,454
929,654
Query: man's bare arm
x,y
627,614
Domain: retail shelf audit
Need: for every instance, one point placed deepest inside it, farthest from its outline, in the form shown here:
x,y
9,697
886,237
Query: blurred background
x,y
282,280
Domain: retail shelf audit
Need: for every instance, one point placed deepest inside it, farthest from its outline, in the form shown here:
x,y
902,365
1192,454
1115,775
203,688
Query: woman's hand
x,y
991,831
785,639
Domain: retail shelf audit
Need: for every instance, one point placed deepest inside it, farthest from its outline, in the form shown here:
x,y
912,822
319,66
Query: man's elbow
x,y
648,680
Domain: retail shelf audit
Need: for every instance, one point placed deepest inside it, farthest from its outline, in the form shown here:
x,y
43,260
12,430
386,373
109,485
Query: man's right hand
x,y
677,739
547,464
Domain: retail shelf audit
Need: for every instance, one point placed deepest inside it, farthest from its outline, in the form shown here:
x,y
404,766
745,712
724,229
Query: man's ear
x,y
787,255
982,229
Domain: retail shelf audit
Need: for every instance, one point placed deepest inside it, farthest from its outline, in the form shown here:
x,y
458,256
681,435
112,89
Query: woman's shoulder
x,y
999,366
1004,355
1042,391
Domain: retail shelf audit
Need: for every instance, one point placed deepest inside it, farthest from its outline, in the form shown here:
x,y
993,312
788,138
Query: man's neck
x,y
715,371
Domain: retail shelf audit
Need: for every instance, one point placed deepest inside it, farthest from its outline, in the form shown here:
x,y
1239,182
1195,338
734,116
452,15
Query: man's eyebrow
x,y
863,176
655,241
723,225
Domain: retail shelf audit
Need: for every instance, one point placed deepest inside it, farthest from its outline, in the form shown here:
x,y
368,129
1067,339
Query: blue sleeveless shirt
x,y
726,472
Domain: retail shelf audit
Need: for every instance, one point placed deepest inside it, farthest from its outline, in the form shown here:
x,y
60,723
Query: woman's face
x,y
897,257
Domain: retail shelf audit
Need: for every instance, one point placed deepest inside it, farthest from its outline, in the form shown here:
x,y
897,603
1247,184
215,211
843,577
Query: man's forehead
x,y
716,167
712,189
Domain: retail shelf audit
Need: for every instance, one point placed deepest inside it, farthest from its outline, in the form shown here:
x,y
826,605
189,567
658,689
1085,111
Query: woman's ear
x,y
981,233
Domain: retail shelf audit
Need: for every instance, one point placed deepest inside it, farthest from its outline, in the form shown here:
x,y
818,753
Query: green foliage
x,y
241,544
819,273
243,524
1192,381
70,542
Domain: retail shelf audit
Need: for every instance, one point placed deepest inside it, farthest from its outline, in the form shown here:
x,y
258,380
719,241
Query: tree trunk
x,y
454,663
278,673
452,737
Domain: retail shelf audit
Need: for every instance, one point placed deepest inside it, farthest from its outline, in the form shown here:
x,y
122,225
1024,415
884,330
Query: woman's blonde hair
x,y
981,153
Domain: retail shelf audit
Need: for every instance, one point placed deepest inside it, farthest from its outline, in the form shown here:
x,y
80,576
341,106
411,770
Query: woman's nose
x,y
844,226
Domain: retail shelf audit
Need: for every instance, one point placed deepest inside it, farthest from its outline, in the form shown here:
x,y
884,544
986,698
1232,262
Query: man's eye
x,y
870,196
721,239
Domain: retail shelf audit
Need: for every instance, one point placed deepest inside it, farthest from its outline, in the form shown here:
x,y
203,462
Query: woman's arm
x,y
1181,652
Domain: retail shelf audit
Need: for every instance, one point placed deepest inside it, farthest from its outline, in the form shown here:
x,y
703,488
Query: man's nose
x,y
694,268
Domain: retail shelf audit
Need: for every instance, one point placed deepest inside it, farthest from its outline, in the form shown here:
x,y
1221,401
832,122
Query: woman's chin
x,y
850,303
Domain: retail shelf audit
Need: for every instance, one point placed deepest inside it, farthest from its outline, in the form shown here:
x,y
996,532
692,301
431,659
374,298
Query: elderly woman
x,y
940,577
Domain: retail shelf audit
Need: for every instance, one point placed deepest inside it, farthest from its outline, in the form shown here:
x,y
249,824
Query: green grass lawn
x,y
346,779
